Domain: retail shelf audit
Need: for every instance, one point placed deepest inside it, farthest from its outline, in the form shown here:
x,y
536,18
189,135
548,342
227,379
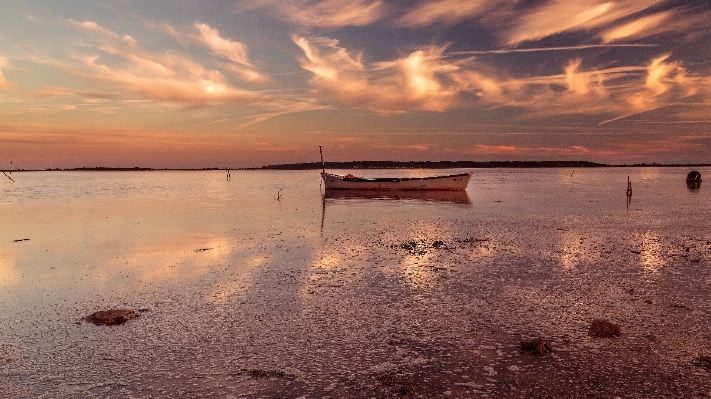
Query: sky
x,y
193,84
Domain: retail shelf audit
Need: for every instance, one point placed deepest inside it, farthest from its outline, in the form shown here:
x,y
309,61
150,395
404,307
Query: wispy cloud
x,y
231,50
525,151
432,80
639,28
417,147
166,76
443,11
4,84
570,15
325,13
409,83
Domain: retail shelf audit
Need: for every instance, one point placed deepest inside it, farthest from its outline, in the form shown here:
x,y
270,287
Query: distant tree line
x,y
435,165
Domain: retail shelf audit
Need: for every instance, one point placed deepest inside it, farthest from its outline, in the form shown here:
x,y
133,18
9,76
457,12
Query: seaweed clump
x,y
604,329
537,346
111,317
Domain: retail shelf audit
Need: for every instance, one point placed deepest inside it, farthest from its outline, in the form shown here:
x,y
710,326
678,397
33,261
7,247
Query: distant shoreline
x,y
382,165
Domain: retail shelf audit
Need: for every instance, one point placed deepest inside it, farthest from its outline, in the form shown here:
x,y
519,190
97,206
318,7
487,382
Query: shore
x,y
431,308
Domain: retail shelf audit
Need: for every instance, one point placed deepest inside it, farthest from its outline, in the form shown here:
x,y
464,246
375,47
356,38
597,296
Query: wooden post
x,y
629,187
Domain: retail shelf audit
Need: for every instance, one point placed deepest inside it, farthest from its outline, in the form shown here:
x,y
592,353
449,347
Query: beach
x,y
264,287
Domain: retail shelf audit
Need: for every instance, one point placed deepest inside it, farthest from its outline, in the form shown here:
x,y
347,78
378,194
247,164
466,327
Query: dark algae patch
x,y
604,329
537,346
111,317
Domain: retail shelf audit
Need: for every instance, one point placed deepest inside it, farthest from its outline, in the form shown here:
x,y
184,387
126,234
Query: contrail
x,y
627,116
532,50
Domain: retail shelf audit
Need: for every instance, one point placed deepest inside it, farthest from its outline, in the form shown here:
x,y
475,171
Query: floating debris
x,y
21,239
604,329
202,249
537,346
111,317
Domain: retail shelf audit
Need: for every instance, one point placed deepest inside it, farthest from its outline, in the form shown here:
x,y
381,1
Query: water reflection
x,y
8,274
577,249
693,186
377,197
651,257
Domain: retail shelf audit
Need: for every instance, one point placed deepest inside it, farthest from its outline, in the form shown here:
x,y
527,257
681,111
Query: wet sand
x,y
421,309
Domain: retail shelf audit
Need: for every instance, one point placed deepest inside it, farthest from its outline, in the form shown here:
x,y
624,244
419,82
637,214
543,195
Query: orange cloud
x,y
429,80
443,11
229,49
571,15
164,77
414,82
636,29
661,75
4,84
326,13
418,147
508,150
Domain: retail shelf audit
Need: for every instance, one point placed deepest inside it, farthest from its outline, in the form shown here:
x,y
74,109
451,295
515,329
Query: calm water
x,y
353,294
83,234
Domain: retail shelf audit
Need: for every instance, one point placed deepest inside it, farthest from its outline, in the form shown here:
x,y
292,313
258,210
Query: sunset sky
x,y
178,83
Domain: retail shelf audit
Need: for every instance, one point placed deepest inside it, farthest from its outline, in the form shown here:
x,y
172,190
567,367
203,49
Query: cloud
x,y
229,49
164,77
570,15
418,147
429,80
414,82
577,83
443,11
660,73
325,13
526,151
641,27
4,84
665,83
91,26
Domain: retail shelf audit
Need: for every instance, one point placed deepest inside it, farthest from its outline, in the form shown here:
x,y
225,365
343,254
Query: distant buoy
x,y
693,179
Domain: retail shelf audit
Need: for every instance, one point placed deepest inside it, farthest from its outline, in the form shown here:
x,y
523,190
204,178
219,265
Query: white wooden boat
x,y
456,182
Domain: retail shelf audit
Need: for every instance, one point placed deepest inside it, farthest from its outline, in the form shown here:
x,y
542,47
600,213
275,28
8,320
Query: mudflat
x,y
423,309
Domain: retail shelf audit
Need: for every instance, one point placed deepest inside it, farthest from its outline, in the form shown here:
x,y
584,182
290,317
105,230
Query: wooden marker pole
x,y
629,187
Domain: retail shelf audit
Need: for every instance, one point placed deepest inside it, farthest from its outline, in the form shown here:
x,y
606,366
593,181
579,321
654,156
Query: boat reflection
x,y
447,197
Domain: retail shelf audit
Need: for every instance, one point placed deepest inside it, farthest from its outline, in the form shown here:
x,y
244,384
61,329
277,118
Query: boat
x,y
456,182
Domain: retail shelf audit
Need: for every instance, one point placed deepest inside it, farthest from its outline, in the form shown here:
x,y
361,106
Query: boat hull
x,y
437,183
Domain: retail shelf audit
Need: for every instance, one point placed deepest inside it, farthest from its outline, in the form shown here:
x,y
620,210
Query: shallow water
x,y
348,295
